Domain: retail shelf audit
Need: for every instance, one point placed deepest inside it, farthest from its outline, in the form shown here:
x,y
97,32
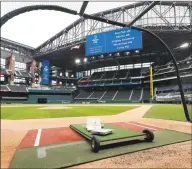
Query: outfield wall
x,y
50,98
34,97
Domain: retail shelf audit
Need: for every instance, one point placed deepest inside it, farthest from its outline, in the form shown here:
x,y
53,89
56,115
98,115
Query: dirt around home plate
x,y
172,156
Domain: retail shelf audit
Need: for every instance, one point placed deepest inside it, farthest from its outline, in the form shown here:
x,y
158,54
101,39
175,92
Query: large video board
x,y
113,41
45,72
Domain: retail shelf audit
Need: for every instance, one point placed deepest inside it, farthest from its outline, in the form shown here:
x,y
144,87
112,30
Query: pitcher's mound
x,y
55,107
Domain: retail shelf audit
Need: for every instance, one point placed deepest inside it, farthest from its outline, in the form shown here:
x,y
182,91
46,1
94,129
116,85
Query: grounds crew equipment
x,y
101,135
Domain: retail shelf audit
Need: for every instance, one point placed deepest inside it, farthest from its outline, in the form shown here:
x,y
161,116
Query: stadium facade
x,y
119,76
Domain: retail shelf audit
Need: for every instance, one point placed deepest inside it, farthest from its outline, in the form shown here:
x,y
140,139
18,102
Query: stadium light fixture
x,y
137,51
77,61
127,53
101,56
184,45
85,60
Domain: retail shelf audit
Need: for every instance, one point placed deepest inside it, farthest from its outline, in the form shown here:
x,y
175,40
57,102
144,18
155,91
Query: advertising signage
x,y
113,41
45,72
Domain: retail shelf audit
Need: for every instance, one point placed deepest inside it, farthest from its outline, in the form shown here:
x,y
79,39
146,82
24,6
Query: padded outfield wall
x,y
51,96
33,96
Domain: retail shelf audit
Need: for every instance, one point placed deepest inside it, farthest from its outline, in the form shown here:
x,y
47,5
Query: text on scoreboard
x,y
113,41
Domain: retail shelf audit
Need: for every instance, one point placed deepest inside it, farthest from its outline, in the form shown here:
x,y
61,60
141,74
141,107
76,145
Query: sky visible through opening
x,y
34,28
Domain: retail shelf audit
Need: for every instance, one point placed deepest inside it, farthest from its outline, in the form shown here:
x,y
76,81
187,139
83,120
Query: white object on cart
x,y
95,127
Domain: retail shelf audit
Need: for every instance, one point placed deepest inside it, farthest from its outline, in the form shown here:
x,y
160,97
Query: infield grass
x,y
34,112
168,112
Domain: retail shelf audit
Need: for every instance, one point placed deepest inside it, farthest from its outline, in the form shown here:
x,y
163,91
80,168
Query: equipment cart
x,y
109,134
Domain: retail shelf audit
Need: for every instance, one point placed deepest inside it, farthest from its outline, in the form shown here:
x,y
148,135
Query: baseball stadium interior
x,y
124,76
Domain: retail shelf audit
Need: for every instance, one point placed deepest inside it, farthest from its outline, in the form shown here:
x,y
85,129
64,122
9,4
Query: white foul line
x,y
38,138
142,126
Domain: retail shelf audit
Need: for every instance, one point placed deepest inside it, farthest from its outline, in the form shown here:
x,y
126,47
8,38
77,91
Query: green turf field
x,y
168,112
118,132
34,112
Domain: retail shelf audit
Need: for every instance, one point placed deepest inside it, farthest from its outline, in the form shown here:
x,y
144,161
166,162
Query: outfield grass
x,y
168,112
33,112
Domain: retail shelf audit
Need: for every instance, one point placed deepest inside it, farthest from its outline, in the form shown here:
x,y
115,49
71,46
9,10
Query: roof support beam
x,y
143,13
118,23
83,7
